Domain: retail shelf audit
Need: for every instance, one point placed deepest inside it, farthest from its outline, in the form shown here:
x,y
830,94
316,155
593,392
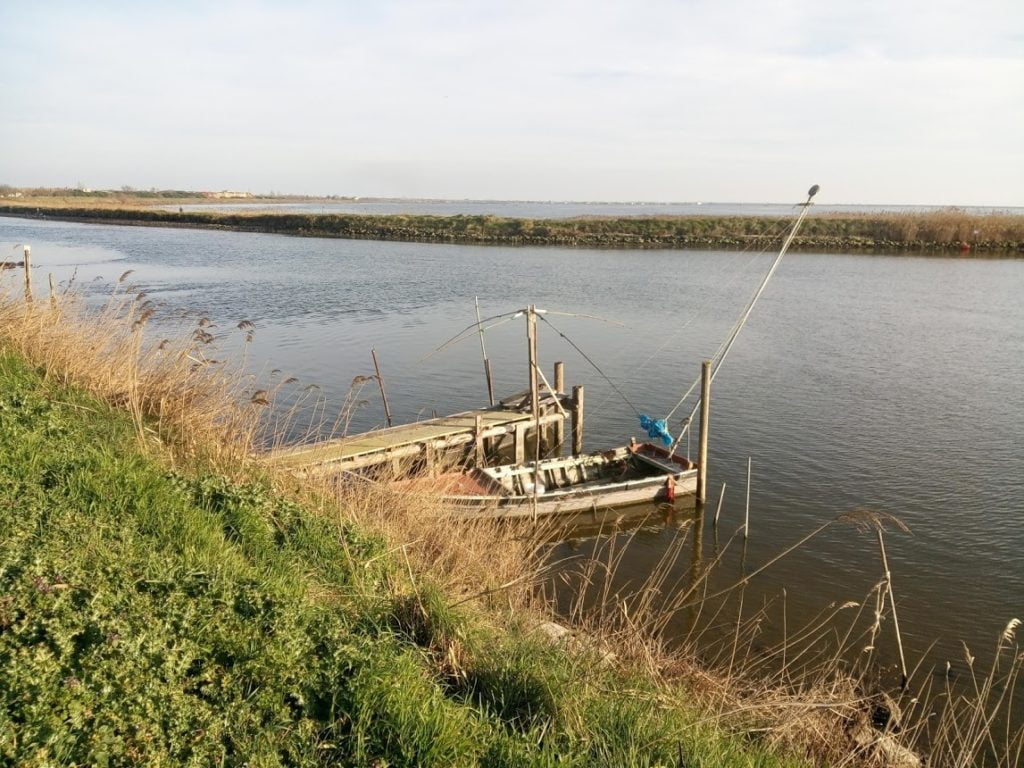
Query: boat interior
x,y
582,472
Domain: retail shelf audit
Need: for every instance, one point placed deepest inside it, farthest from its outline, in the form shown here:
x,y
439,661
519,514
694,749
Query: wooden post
x,y
28,273
531,343
519,436
380,383
746,514
577,420
478,439
559,389
702,443
53,293
430,456
531,320
483,353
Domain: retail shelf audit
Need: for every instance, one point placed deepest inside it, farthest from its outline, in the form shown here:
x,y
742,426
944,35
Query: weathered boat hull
x,y
671,476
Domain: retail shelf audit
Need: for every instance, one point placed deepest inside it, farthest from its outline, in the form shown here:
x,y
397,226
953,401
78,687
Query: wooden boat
x,y
634,474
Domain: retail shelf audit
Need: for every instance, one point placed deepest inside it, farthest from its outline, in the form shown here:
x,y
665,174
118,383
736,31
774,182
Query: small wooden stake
x,y
718,510
577,420
28,273
53,293
746,514
380,383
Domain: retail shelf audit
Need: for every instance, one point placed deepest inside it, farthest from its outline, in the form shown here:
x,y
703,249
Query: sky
x,y
898,102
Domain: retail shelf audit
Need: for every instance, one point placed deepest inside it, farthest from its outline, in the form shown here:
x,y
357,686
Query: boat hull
x,y
671,476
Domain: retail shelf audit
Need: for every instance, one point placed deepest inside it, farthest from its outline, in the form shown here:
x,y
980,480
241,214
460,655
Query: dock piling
x,y
577,420
559,389
478,441
702,442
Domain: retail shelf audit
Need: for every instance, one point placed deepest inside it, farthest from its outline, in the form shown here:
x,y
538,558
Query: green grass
x,y
158,617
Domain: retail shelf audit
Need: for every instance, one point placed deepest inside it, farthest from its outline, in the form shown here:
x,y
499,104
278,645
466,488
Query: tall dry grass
x,y
802,692
822,687
181,397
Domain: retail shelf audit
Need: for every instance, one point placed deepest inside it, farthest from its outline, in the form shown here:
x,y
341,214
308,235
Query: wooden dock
x,y
466,437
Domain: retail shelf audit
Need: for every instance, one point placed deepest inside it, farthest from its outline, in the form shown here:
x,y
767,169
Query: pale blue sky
x,y
735,100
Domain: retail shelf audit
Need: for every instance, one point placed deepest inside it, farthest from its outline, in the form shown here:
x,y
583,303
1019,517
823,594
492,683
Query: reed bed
x,y
945,231
459,591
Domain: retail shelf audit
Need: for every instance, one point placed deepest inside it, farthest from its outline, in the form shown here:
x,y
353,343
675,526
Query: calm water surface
x,y
892,383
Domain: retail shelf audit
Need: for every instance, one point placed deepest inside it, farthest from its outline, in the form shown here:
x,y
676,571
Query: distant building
x,y
225,194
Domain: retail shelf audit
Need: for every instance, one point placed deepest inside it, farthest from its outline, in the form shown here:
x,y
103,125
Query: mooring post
x,y
746,514
28,273
702,444
380,383
531,325
577,420
559,389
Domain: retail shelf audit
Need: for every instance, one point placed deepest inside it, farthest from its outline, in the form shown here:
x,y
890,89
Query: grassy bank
x,y
158,616
941,231
164,599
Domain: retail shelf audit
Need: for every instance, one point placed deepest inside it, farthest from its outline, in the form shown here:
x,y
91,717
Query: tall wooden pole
x,y
483,353
531,326
380,383
702,444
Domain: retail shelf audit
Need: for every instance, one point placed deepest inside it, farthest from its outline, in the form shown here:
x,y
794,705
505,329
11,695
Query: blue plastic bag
x,y
657,429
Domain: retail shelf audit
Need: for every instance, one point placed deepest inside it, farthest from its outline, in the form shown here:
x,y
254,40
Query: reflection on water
x,y
892,383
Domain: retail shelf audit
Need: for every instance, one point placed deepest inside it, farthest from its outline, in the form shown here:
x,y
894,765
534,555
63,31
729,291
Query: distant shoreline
x,y
944,231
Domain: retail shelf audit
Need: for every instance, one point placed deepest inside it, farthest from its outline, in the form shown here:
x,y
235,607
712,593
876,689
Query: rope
x,y
775,229
594,365
750,307
726,346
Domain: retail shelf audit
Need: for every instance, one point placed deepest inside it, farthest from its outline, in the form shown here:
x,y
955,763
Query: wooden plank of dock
x,y
407,440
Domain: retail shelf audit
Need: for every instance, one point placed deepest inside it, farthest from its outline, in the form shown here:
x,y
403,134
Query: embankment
x,y
947,231
159,607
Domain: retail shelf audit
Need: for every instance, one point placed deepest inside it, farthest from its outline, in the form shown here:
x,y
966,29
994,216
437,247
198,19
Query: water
x,y
891,383
555,210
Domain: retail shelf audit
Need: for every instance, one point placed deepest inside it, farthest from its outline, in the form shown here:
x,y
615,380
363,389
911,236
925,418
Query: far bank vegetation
x,y
950,230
